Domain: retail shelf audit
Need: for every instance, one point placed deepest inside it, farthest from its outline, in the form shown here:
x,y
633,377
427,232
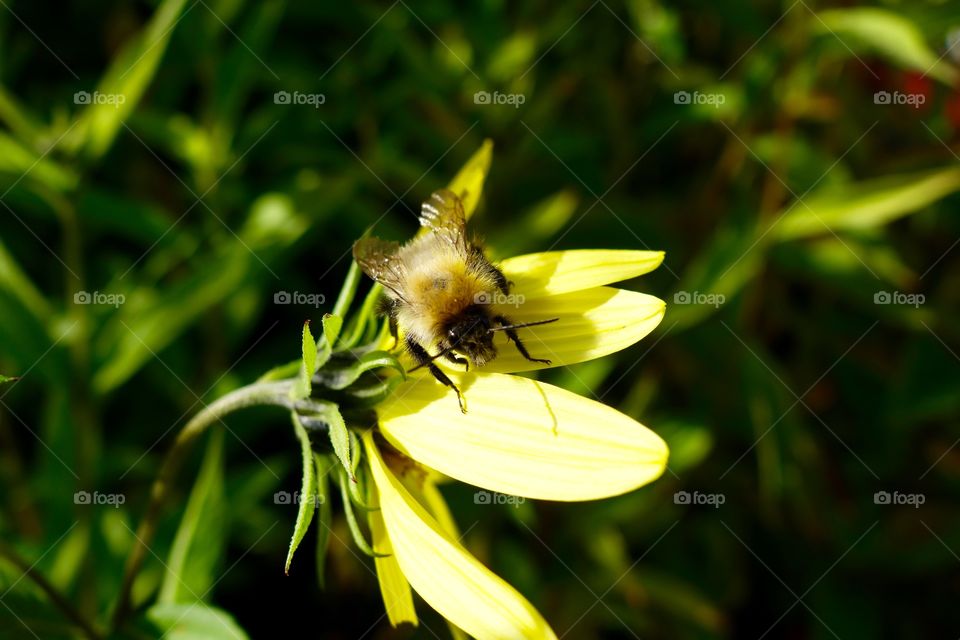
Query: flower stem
x,y
260,393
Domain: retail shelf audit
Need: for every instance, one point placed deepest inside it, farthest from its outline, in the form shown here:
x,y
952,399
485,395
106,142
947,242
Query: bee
x,y
438,290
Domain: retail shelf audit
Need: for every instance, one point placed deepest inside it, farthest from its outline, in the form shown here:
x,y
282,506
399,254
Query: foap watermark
x,y
498,297
98,297
298,97
497,98
113,99
698,97
914,100
492,497
314,300
97,498
285,497
697,297
899,297
897,498
697,498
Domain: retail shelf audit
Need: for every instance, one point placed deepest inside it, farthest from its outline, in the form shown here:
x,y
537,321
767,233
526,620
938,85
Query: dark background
x,y
794,392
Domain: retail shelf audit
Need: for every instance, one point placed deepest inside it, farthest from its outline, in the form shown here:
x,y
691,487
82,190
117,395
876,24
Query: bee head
x,y
469,333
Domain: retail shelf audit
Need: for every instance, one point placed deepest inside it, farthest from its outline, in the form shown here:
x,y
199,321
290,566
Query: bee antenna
x,y
520,325
432,358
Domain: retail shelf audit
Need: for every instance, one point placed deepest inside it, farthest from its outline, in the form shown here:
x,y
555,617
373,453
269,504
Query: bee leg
x,y
512,335
388,307
421,357
454,358
392,324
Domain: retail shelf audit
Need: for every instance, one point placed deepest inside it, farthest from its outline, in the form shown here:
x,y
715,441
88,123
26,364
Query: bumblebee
x,y
439,287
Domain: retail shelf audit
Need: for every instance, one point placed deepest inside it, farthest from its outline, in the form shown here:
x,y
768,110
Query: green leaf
x,y
363,317
340,438
201,537
14,279
331,331
715,276
352,523
308,348
147,322
194,622
869,30
125,82
539,223
282,371
348,291
16,161
342,374
866,204
323,464
308,485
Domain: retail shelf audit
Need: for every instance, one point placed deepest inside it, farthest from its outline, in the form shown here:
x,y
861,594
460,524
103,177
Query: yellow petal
x,y
448,578
468,183
433,500
592,323
521,437
539,274
394,588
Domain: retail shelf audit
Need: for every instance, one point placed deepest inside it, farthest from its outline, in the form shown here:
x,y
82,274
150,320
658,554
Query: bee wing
x,y
443,214
378,259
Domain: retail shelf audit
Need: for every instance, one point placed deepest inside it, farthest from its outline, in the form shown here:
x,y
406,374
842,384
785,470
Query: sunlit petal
x,y
448,578
522,437
394,588
468,183
551,272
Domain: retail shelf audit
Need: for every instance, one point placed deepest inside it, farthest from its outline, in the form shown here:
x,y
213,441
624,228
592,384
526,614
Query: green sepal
x,y
307,494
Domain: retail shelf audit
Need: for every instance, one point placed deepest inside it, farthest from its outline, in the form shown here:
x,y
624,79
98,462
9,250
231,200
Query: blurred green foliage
x,y
164,177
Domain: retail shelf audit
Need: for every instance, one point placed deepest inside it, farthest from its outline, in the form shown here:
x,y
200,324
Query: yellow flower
x,y
519,436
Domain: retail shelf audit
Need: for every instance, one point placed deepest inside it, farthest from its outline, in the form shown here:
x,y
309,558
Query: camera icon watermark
x,y
96,498
714,100
696,297
896,498
915,100
492,497
697,498
898,297
298,98
285,497
498,297
315,300
85,97
96,297
497,98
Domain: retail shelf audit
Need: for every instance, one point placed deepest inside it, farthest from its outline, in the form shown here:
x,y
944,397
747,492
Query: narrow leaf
x,y
323,465
887,33
352,523
867,204
340,439
307,494
194,622
345,374
308,348
201,536
331,331
125,82
348,291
